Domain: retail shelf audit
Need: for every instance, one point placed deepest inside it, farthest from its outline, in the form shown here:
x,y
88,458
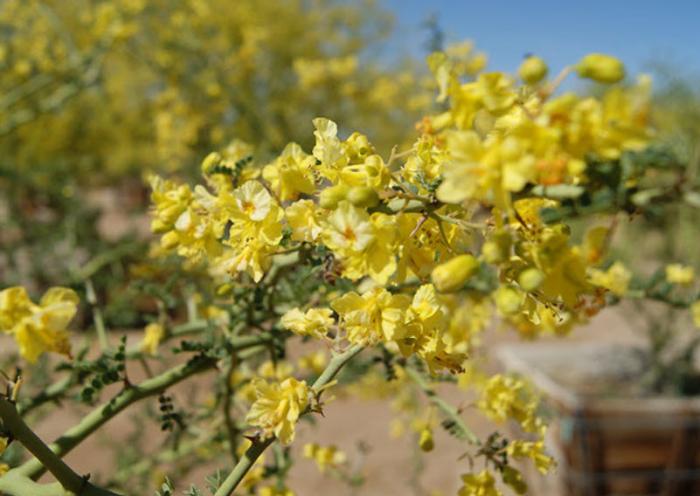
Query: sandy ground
x,y
389,465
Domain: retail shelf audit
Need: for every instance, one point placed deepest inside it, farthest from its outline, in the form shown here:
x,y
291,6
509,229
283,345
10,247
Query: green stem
x,y
151,387
70,480
15,484
448,410
102,414
258,445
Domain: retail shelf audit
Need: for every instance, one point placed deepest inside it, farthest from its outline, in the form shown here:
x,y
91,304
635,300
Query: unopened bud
x,y
601,68
330,197
425,440
451,275
508,300
532,70
361,196
530,279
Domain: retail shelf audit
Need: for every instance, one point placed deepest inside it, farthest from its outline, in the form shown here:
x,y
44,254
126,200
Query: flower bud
x,y
530,279
425,440
361,196
532,70
330,197
601,68
451,275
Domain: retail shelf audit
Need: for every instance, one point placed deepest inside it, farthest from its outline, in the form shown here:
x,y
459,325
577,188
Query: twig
x,y
448,410
70,480
102,414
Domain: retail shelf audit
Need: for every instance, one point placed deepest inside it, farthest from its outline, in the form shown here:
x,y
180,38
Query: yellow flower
x,y
680,274
528,210
375,316
305,220
315,322
178,217
348,230
278,407
471,172
497,90
565,270
616,279
170,201
453,274
256,229
419,249
4,468
328,149
363,243
534,450
326,457
291,173
481,484
601,68
153,335
15,305
371,174
38,328
427,331
358,148
506,397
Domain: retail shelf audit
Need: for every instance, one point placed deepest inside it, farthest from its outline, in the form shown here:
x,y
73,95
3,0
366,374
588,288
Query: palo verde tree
x,y
391,267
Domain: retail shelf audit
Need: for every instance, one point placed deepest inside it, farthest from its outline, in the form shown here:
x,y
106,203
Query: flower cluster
x,y
417,251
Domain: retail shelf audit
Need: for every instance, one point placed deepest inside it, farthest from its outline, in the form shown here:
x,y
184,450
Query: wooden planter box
x,y
611,445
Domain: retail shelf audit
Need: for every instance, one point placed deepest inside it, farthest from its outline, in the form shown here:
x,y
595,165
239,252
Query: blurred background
x,y
95,95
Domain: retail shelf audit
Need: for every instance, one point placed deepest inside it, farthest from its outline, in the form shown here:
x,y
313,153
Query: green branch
x,y
151,387
258,445
448,410
17,482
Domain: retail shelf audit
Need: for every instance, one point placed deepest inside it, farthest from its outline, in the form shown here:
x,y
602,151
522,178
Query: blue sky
x,y
637,31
